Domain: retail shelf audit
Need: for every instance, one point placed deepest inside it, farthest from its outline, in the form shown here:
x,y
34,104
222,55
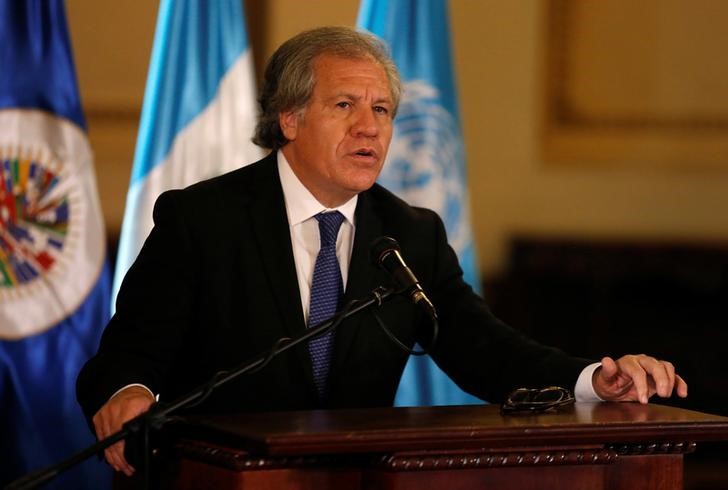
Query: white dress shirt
x,y
301,207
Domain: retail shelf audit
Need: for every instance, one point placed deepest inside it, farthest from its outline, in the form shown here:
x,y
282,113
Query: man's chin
x,y
362,186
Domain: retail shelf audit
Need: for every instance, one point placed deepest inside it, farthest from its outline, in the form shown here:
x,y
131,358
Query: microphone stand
x,y
158,414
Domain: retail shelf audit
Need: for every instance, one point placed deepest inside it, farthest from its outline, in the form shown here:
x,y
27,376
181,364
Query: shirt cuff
x,y
156,397
584,389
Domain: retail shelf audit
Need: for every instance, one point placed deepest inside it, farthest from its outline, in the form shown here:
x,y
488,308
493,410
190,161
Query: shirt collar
x,y
300,203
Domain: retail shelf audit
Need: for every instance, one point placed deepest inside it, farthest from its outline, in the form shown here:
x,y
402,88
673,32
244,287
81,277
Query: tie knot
x,y
329,224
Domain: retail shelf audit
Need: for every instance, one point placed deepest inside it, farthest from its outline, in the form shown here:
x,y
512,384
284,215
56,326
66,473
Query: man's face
x,y
337,144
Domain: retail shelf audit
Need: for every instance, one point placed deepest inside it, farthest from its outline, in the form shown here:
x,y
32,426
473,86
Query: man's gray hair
x,y
289,80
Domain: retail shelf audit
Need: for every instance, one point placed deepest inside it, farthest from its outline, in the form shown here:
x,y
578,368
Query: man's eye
x,y
343,104
381,110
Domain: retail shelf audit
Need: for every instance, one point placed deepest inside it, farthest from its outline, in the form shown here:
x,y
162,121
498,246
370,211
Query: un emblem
x,y
426,163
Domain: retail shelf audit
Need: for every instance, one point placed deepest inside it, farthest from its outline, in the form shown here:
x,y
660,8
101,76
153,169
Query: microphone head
x,y
384,252
380,248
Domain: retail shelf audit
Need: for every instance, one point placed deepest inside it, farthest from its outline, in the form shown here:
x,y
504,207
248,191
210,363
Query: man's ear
x,y
289,122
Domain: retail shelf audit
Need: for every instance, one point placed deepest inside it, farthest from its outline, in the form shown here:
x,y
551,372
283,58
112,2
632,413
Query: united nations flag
x,y
54,281
426,160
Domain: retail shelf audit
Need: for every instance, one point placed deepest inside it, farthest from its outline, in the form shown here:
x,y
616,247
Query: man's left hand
x,y
637,378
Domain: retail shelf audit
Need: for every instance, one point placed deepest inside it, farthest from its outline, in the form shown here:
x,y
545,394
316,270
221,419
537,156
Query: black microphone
x,y
384,253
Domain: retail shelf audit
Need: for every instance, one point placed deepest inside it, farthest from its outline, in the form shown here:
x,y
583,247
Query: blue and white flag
x,y
54,280
426,160
199,110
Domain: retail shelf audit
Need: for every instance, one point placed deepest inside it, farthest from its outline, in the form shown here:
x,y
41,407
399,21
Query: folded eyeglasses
x,y
532,400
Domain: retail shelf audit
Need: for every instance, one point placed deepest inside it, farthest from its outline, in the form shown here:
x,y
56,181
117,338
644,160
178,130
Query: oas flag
x,y
54,282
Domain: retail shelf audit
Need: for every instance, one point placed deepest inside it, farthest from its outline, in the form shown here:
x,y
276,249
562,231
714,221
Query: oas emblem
x,y
51,231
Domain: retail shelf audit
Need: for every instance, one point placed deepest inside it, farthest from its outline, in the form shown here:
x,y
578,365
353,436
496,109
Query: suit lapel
x,y
362,279
273,237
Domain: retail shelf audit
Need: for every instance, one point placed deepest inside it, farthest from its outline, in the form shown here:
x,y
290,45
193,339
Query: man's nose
x,y
365,123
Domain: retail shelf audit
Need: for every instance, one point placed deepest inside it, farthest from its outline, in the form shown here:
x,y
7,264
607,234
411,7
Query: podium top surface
x,y
475,426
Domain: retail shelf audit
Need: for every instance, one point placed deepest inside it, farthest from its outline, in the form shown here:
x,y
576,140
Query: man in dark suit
x,y
235,263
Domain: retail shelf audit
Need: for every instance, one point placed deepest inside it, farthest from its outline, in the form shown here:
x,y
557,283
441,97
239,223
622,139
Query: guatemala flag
x,y
426,160
199,110
54,280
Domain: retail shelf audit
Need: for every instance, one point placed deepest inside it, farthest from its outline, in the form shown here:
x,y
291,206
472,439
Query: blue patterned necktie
x,y
327,288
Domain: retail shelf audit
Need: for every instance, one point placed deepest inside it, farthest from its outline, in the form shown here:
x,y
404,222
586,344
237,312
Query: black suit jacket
x,y
215,284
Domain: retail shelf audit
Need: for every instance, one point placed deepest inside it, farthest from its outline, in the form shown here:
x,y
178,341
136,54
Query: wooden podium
x,y
587,446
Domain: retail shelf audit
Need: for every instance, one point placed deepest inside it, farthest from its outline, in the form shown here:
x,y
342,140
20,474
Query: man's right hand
x,y
121,408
